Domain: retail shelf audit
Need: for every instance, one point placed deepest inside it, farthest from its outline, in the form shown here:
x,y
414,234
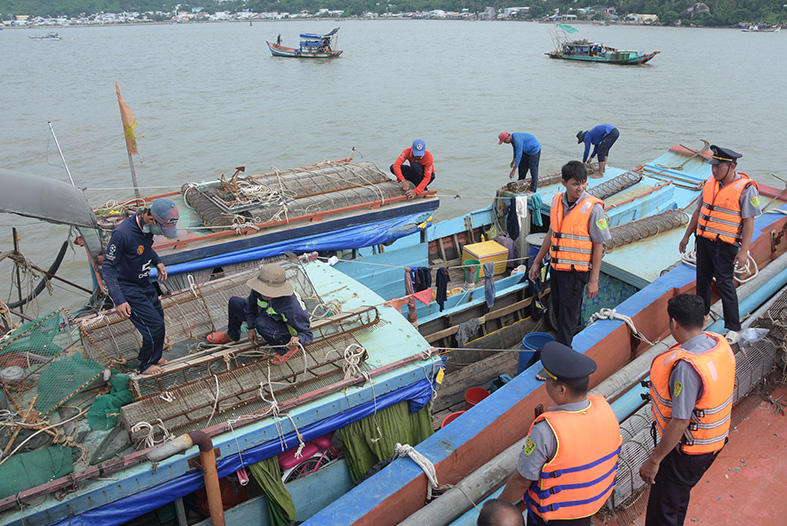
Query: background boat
x,y
312,46
586,51
50,36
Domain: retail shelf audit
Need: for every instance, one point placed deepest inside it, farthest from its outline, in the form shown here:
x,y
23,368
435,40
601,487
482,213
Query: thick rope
x,y
611,314
690,258
406,450
150,439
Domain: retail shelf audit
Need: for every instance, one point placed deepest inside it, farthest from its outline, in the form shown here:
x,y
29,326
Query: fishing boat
x,y
70,381
762,28
312,46
587,51
477,451
50,36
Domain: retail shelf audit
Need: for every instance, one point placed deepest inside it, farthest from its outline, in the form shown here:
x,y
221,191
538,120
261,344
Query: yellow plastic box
x,y
487,252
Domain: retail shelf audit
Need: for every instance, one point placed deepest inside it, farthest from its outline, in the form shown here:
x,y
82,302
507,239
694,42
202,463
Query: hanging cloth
x,y
441,278
489,283
512,222
534,203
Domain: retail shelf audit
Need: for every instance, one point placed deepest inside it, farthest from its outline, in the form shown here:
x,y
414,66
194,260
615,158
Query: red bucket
x,y
474,395
450,418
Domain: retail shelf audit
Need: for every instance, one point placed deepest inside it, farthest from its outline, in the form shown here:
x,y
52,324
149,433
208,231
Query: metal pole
x,y
133,176
61,152
18,274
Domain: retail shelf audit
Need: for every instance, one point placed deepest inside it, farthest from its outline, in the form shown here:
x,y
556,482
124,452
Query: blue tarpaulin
x,y
121,511
346,238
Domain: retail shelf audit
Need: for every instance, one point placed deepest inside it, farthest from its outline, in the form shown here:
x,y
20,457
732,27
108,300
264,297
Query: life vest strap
x,y
558,472
557,505
544,493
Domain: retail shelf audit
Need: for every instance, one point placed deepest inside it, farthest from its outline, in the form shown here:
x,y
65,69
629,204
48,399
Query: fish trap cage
x,y
233,382
615,185
188,314
284,195
752,365
645,228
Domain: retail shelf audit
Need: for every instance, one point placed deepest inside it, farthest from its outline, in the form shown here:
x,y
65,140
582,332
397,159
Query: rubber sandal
x,y
219,338
280,359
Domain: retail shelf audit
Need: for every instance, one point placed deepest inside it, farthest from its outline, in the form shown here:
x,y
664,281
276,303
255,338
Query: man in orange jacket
x,y
419,174
569,484
691,388
723,224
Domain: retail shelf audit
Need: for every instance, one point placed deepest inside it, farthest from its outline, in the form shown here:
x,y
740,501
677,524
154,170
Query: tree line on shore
x,y
719,13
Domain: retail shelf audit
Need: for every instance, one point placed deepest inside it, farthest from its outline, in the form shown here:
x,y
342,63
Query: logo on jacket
x,y
146,268
602,223
140,250
530,446
755,201
678,389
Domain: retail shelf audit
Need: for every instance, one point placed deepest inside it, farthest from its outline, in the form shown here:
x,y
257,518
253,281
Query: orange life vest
x,y
720,215
710,421
581,476
572,246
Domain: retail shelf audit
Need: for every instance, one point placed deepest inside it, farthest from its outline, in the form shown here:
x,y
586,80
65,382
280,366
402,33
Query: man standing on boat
x,y
568,484
723,224
691,388
273,310
602,137
128,260
527,155
575,242
419,174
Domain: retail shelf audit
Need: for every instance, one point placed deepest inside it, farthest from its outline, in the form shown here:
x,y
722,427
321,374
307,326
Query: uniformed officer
x,y
723,224
691,396
273,310
567,485
126,267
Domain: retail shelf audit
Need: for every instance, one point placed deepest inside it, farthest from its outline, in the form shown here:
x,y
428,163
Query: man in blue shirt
x,y
128,260
527,154
602,137
273,310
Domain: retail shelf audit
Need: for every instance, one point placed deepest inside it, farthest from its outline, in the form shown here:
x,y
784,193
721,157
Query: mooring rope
x,y
611,314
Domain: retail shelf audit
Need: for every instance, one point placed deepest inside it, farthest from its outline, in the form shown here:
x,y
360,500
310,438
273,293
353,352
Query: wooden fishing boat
x,y
311,46
587,51
762,28
477,451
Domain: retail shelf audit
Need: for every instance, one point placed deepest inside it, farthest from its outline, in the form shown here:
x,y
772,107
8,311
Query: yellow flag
x,y
129,123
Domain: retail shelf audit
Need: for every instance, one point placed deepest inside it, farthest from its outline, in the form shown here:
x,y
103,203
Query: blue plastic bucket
x,y
534,242
530,344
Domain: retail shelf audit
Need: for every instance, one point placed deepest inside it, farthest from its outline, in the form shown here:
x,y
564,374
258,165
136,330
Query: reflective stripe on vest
x,y
572,246
710,421
270,311
720,214
581,476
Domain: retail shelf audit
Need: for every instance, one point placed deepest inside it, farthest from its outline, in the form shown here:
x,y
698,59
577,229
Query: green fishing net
x,y
28,470
63,378
103,411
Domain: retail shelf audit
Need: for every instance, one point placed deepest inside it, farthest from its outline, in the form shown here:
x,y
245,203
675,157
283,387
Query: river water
x,y
209,97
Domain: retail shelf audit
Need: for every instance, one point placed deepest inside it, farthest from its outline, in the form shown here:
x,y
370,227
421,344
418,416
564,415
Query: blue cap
x,y
419,148
565,365
165,213
724,155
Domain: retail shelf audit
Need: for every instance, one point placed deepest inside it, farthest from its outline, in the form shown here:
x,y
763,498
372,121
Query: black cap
x,y
565,365
581,136
723,155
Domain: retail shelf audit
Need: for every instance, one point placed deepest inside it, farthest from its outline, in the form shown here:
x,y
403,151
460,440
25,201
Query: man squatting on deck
x,y
128,260
567,485
273,310
602,137
575,242
527,155
691,389
723,224
420,172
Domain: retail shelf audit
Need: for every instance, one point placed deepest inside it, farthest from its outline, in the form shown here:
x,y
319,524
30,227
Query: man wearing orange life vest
x,y
564,477
691,389
575,242
420,172
723,223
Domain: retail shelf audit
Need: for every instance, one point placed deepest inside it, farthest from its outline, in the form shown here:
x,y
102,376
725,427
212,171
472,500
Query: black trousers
x,y
717,259
415,174
530,163
564,522
669,496
568,287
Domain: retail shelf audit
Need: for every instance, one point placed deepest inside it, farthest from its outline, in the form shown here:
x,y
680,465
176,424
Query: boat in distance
x,y
588,51
50,36
312,46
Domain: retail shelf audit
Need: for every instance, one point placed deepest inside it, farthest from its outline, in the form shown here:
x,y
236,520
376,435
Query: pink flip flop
x,y
219,338
279,359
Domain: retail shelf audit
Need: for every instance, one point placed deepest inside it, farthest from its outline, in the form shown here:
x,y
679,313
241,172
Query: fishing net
x,y
33,337
31,469
103,411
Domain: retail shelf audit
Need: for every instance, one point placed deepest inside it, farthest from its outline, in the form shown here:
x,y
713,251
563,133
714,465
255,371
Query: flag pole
x,y
133,176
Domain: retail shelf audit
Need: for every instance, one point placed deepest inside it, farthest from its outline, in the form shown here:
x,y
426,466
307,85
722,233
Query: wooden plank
x,y
450,331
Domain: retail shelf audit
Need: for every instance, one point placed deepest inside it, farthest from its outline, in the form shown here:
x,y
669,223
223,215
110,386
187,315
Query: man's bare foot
x,y
597,176
163,361
153,369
